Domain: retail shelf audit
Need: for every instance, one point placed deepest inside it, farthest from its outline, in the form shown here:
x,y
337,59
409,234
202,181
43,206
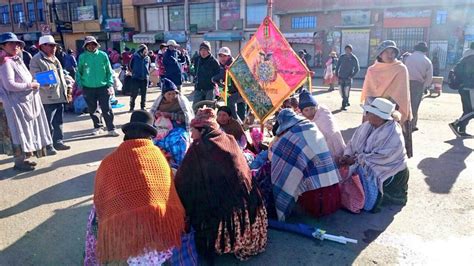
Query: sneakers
x,y
113,133
455,128
24,167
61,147
97,131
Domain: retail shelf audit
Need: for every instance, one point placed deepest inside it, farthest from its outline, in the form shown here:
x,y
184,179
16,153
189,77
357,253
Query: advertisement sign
x,y
267,71
85,13
113,24
355,18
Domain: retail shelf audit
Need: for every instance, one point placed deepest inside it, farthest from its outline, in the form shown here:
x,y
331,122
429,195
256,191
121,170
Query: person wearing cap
x,y
137,214
324,120
176,108
301,163
346,69
376,153
95,76
172,62
53,96
420,71
206,67
140,68
216,187
388,78
27,122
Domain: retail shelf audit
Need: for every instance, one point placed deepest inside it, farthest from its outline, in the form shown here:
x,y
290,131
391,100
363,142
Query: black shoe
x,y
465,135
455,128
331,89
50,151
30,163
343,108
348,104
61,147
23,167
414,129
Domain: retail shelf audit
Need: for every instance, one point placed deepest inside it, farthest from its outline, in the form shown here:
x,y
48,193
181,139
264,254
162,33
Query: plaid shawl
x,y
301,162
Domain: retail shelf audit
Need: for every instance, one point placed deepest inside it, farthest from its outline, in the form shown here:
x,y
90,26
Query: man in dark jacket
x,y
171,62
347,67
235,101
206,67
464,72
140,68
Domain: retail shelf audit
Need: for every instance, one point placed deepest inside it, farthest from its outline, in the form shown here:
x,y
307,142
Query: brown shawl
x,y
233,128
214,183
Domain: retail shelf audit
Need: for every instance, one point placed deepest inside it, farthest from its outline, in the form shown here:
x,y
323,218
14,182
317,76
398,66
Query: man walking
x,y
53,96
94,76
464,73
171,62
140,68
347,67
206,67
420,70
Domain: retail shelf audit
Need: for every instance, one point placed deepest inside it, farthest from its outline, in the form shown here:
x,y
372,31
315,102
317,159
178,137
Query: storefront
x,y
151,39
114,27
231,39
31,38
178,36
302,41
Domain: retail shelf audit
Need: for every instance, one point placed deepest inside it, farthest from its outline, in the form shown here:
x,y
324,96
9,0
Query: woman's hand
x,y
35,85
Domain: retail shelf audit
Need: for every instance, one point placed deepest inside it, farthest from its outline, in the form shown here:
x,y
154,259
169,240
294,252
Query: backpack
x,y
453,83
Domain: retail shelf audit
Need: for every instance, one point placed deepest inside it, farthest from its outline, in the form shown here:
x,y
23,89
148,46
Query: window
x,y
230,9
154,19
441,17
176,17
303,22
406,38
202,15
62,11
114,8
40,7
73,8
5,14
18,13
256,11
31,11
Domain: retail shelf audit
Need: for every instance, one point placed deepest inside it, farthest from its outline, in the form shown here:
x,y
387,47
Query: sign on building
x,y
85,13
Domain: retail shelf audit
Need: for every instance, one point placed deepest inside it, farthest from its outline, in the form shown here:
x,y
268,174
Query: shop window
x,y
114,8
176,17
441,17
154,19
18,13
5,14
203,16
230,9
40,8
256,11
307,22
31,11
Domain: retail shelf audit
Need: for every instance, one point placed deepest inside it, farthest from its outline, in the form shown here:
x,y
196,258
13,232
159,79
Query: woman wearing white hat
x,y
171,61
376,152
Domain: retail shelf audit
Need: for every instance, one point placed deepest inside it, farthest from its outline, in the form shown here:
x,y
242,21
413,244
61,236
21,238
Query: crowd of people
x,y
205,174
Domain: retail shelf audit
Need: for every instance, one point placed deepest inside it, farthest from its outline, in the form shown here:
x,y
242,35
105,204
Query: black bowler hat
x,y
142,120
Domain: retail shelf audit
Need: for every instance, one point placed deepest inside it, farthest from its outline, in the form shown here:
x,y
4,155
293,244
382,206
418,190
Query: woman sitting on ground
x,y
139,215
300,162
325,121
230,126
215,185
175,108
376,152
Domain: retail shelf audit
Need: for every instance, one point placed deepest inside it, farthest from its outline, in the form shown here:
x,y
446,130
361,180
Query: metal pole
x,y
270,8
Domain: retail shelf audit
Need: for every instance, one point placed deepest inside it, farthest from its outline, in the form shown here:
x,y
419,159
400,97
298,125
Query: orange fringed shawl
x,y
389,81
137,204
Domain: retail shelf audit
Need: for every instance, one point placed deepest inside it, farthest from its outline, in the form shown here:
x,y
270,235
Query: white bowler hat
x,y
47,39
381,107
172,43
225,51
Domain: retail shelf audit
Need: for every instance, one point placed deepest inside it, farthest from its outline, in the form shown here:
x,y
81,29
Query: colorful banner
x,y
267,71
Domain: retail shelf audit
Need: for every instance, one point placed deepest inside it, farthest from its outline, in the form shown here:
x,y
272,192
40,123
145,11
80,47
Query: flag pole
x,y
270,9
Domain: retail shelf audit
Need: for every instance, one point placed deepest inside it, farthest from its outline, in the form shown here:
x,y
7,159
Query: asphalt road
x,y
43,213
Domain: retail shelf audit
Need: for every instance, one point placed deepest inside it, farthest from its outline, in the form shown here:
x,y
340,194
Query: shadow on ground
x,y
442,172
73,188
77,159
57,241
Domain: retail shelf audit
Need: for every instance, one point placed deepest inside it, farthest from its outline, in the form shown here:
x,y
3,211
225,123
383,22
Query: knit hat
x,y
205,117
286,119
205,45
167,85
225,51
306,100
385,45
225,109
90,39
348,46
142,120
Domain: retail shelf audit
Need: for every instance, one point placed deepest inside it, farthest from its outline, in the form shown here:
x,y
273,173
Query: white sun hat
x,y
381,107
46,39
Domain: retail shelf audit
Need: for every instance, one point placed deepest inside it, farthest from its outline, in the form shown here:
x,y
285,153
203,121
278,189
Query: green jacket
x,y
94,70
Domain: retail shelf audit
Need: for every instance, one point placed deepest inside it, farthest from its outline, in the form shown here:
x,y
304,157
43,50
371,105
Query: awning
x,y
227,36
178,36
148,37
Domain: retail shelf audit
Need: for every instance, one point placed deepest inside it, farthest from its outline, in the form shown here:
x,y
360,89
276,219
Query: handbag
x,y
352,192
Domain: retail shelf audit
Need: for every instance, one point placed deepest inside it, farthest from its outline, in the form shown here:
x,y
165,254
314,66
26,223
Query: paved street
x,y
43,214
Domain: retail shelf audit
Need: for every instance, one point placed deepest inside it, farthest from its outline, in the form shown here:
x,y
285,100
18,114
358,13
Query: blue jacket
x,y
171,61
140,67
